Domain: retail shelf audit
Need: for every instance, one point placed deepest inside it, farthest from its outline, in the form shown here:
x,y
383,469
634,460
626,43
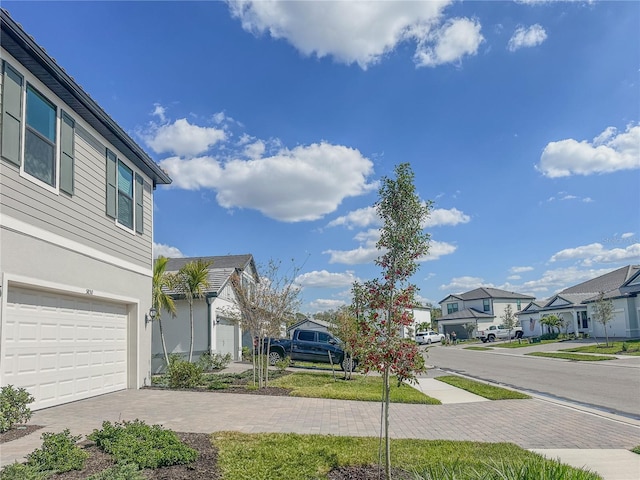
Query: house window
x,y
452,307
486,305
583,318
32,126
40,138
518,305
124,195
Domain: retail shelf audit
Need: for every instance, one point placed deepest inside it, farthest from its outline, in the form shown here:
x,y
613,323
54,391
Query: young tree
x,y
389,300
160,299
192,280
508,319
262,308
345,327
603,313
469,328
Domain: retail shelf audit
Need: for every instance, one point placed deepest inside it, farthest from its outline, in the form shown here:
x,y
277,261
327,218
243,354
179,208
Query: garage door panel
x,y
62,348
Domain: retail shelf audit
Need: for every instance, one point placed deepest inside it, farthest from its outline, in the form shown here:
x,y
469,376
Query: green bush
x,y
121,471
59,452
209,363
21,471
549,336
281,365
246,354
144,445
13,407
625,347
183,374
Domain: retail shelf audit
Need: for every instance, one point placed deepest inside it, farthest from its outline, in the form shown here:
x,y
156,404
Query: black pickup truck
x,y
308,346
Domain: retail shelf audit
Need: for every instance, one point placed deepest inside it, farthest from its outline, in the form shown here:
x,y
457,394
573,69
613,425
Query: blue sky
x,y
277,120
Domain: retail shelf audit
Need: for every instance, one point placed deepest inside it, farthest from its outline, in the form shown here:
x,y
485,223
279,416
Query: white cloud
x,y
561,278
627,235
455,39
364,217
520,269
450,217
465,283
159,111
608,153
182,138
437,250
514,277
304,183
325,279
160,249
322,304
356,256
362,32
596,253
526,37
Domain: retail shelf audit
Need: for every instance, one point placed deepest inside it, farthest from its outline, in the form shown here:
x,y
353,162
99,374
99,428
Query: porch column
x,y
576,323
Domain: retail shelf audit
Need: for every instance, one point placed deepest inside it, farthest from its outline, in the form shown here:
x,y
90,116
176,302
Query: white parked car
x,y
429,337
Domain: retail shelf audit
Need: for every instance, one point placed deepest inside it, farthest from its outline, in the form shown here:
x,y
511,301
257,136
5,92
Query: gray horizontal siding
x,y
80,218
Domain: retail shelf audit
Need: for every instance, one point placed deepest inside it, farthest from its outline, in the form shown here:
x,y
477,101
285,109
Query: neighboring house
x,y
481,307
308,324
216,328
76,196
574,306
420,315
530,319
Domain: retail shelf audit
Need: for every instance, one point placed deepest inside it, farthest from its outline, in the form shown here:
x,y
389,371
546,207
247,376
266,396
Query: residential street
x,y
612,386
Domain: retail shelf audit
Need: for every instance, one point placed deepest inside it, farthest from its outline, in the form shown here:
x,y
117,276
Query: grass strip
x,y
478,348
360,387
578,357
627,347
266,456
523,343
482,389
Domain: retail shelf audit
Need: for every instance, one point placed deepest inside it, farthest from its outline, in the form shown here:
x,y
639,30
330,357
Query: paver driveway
x,y
528,423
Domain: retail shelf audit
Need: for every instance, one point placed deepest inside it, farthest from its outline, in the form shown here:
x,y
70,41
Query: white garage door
x,y
63,348
225,338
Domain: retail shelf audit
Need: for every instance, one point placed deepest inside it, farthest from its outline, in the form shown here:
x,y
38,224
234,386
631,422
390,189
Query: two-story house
x,y
480,307
217,329
76,197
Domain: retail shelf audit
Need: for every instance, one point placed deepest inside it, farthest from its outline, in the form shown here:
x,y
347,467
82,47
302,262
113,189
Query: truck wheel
x,y
484,340
428,341
348,364
274,357
519,334
492,338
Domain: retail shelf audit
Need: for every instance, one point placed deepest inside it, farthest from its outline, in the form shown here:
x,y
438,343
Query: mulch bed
x,y
18,432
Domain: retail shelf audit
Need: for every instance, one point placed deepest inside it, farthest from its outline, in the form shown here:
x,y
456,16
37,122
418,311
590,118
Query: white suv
x,y
429,337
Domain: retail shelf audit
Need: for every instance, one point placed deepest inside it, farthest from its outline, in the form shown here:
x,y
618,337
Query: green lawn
x,y
266,456
487,391
636,450
364,388
614,348
571,356
478,348
523,343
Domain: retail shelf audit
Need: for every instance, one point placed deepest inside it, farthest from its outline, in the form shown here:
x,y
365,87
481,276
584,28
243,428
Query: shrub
x,y
625,347
21,471
59,452
121,471
144,445
208,362
13,407
183,374
549,336
246,354
281,365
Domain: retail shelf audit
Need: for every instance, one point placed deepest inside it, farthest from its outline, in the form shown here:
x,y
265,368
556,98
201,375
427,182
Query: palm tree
x,y
192,280
161,300
551,321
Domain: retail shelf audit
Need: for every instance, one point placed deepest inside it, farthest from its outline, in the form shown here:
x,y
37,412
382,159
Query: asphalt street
x,y
611,386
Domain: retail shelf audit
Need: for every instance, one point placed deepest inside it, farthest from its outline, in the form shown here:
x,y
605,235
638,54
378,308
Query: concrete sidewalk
x,y
578,438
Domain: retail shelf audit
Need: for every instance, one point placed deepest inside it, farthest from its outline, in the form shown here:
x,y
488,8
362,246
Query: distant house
x,y
480,307
308,324
574,306
76,223
215,328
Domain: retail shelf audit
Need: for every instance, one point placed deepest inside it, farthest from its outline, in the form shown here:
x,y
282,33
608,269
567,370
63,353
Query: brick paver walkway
x,y
527,423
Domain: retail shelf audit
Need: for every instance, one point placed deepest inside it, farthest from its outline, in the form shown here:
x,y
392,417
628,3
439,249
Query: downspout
x,y
210,298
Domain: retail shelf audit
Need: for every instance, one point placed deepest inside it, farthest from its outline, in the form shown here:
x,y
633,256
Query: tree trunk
x,y
387,441
164,345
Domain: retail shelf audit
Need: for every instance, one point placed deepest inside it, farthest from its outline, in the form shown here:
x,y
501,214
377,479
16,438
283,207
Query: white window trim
x,y
125,161
23,136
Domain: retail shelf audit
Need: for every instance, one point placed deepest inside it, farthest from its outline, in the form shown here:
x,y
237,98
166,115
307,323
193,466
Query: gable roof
x,y
320,323
488,292
533,307
24,49
605,283
467,313
220,270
